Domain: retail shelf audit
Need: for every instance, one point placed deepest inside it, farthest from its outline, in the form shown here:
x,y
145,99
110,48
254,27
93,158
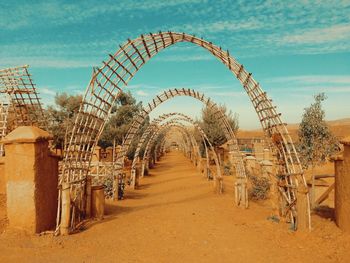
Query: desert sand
x,y
175,216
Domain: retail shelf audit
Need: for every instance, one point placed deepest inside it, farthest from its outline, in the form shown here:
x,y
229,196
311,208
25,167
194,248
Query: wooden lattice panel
x,y
19,101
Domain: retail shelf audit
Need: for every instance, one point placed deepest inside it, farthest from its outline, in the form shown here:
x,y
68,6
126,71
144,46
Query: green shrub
x,y
260,187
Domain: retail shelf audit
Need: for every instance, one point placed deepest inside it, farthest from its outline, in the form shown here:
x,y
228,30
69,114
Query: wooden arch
x,y
154,126
176,122
157,129
167,95
111,78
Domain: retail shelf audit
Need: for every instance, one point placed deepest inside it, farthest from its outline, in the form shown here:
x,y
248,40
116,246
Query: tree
x,y
61,116
212,126
123,112
316,141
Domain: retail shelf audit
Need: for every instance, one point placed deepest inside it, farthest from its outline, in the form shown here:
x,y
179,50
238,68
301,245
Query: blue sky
x,y
295,49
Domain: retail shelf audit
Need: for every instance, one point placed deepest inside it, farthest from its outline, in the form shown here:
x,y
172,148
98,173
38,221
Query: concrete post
x,y
342,187
32,174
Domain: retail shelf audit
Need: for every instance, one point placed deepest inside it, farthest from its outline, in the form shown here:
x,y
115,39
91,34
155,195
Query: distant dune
x,y
340,128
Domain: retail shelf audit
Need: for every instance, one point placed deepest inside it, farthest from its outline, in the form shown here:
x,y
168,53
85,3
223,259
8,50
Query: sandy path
x,y
176,217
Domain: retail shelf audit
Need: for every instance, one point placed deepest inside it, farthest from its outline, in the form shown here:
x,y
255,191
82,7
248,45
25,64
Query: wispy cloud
x,y
47,91
142,93
333,33
234,94
312,83
313,79
184,58
47,62
70,13
220,26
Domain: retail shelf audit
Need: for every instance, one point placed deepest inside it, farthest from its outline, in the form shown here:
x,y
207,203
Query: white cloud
x,y
47,91
313,79
184,58
47,62
142,93
311,84
234,94
220,26
69,13
333,33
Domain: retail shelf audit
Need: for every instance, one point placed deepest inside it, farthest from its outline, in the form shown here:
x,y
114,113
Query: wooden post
x,y
302,208
133,179
142,169
65,213
97,201
313,191
88,197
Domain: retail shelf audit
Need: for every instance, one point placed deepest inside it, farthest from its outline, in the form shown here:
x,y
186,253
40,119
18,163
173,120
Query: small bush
x,y
228,169
260,187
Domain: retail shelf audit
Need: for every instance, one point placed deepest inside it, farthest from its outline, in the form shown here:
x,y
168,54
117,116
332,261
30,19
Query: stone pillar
x,y
342,187
266,168
32,174
250,164
267,154
109,154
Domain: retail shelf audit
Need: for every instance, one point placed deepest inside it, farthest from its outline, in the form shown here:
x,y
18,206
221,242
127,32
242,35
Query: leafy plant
x,y
260,187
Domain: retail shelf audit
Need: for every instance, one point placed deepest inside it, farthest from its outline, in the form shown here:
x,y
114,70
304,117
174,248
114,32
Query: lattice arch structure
x,y
108,80
167,95
19,101
156,128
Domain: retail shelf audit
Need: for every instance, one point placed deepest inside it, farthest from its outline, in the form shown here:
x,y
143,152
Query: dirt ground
x,y
176,217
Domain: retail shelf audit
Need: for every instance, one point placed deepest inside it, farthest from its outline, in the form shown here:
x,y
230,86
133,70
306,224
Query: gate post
x,y
32,175
302,208
342,187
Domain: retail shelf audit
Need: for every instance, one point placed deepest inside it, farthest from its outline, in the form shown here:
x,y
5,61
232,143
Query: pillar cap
x,y
266,163
345,141
337,157
27,134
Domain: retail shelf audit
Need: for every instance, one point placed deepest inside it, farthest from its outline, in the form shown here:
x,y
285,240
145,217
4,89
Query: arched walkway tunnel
x,y
113,77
